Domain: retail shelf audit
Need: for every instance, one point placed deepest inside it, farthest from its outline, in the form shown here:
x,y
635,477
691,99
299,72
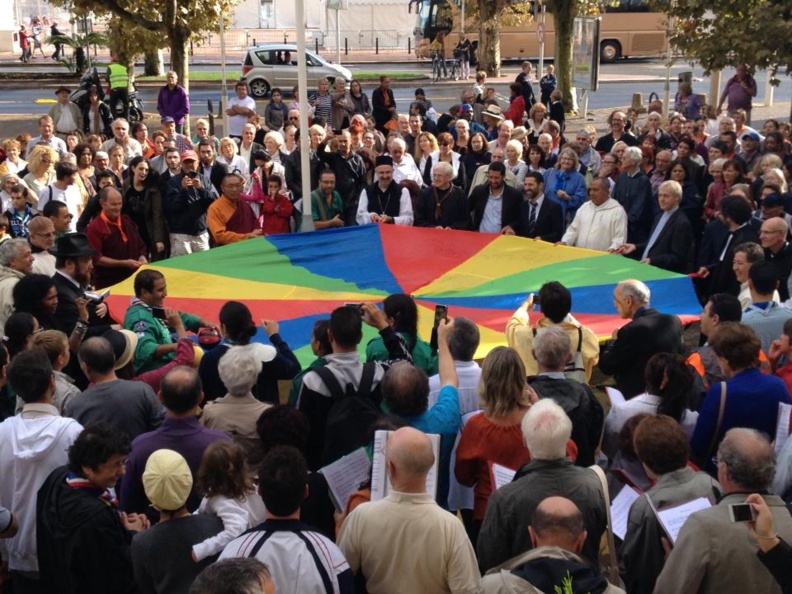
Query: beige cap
x,y
167,480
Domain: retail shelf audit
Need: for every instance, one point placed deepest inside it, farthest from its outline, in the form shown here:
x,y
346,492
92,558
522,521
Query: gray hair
x,y
552,347
637,290
11,249
546,429
633,153
237,575
444,168
749,459
672,186
239,370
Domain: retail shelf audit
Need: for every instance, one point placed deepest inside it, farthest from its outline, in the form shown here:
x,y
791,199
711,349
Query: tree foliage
x,y
755,32
139,26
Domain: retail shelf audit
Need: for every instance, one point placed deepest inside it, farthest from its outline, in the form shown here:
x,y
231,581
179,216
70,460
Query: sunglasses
x,y
445,144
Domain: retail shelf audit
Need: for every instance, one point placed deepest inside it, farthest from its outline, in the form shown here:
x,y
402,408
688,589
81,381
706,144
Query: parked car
x,y
273,65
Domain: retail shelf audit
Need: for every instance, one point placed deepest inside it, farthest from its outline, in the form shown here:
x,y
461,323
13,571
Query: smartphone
x,y
159,313
358,306
192,174
741,512
441,313
96,296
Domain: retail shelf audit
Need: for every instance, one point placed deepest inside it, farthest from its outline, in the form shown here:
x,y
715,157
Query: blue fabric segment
x,y
352,254
672,296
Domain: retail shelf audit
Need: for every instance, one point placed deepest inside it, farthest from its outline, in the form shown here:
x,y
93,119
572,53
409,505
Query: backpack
x,y
352,413
575,370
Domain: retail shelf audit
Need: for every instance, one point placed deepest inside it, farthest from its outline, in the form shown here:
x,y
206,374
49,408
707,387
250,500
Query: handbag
x,y
608,549
719,422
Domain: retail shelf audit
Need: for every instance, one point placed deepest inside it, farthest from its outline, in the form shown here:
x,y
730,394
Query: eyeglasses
x,y
445,144
51,234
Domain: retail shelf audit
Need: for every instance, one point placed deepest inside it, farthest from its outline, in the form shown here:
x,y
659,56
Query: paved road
x,y
619,82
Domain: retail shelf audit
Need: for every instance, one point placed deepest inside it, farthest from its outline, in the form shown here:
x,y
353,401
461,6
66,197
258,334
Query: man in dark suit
x,y
248,147
210,168
539,218
73,267
671,238
496,206
634,192
650,332
718,276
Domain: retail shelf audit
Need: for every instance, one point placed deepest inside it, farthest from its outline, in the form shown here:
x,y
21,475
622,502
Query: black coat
x,y
635,195
512,199
66,315
252,162
673,248
216,174
81,543
453,210
549,221
722,279
783,263
650,332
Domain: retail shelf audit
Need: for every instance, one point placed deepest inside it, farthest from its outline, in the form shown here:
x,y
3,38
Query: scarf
x,y
116,223
78,482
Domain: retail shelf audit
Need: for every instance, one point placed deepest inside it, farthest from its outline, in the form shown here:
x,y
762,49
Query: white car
x,y
272,65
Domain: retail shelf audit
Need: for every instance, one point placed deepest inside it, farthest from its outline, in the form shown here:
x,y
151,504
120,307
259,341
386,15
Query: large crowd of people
x,y
157,451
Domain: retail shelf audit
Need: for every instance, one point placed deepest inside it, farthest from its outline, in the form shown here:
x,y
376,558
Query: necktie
x,y
531,217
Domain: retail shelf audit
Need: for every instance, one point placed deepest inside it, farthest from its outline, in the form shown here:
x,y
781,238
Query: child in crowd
x,y
548,84
557,109
229,494
21,212
276,208
56,345
478,88
276,113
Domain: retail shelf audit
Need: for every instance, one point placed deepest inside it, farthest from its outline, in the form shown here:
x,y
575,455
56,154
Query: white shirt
x,y
237,122
44,263
32,445
492,219
131,150
598,228
405,217
406,169
71,196
469,373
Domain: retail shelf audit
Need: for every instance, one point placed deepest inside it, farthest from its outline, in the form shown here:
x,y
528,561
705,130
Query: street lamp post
x,y
224,82
302,97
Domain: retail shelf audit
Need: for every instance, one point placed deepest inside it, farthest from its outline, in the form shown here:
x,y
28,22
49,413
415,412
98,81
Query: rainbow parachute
x,y
300,278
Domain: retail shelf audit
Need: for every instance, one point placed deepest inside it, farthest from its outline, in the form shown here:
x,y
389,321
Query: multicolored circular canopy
x,y
300,278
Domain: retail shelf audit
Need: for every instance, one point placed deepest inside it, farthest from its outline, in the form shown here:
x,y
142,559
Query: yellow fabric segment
x,y
505,256
189,284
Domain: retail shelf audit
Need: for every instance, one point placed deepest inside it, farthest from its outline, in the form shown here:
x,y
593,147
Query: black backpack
x,y
351,415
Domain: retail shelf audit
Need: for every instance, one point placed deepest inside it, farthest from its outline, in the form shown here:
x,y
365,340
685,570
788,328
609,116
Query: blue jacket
x,y
573,183
752,399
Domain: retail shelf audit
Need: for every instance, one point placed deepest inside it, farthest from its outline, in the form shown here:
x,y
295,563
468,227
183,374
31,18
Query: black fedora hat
x,y
72,245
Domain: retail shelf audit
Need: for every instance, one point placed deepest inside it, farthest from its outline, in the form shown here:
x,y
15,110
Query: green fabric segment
x,y
593,271
259,261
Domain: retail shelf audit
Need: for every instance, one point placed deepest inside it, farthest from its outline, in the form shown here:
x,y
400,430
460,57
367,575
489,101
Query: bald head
x,y
557,521
772,235
410,454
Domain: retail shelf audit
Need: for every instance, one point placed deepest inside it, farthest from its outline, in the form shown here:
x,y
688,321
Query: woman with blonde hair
x,y
494,435
229,155
537,118
514,161
41,167
445,153
426,145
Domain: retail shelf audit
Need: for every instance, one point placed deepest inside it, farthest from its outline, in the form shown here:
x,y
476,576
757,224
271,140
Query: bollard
x,y
346,46
409,44
316,44
254,41
284,38
376,45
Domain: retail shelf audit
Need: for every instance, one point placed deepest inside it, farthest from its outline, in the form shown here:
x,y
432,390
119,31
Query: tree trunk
x,y
564,12
152,63
180,51
489,37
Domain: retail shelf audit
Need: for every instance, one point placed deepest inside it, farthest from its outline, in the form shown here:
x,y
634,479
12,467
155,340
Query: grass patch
x,y
233,74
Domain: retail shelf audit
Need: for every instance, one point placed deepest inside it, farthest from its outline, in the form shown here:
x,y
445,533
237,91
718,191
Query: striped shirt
x,y
300,560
